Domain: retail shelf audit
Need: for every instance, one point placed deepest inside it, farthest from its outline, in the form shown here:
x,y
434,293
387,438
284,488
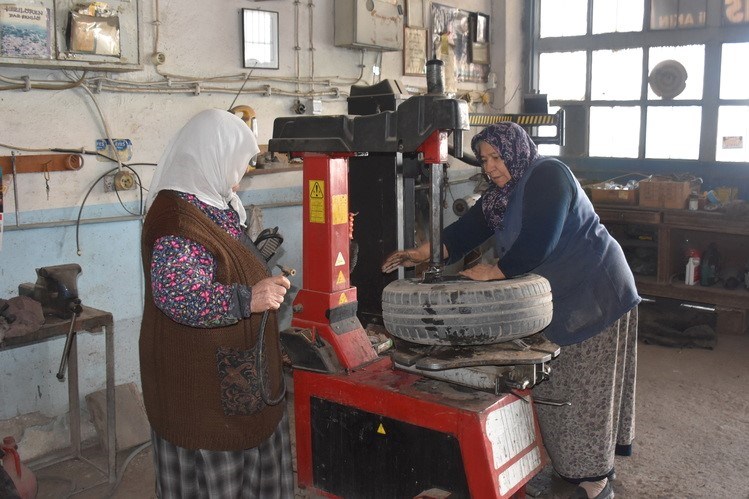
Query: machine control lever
x,y
555,403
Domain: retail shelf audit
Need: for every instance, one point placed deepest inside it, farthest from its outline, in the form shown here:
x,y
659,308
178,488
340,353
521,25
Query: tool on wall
x,y
37,163
56,288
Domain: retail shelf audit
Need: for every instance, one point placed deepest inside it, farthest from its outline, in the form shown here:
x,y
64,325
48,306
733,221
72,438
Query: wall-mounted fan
x,y
668,79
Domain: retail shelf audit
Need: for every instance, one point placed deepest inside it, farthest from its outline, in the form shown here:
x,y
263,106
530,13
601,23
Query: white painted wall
x,y
201,42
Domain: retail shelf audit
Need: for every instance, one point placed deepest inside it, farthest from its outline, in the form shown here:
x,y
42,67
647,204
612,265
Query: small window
x,y
617,74
260,38
673,132
562,75
614,132
733,133
692,61
612,16
734,77
563,18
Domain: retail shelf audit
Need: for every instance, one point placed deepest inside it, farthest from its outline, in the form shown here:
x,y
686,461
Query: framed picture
x,y
478,47
414,51
479,27
415,13
260,34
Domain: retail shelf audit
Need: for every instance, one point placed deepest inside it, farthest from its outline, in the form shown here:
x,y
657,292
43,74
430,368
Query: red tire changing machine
x,y
364,426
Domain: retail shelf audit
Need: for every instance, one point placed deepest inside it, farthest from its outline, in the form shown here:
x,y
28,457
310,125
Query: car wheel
x,y
459,311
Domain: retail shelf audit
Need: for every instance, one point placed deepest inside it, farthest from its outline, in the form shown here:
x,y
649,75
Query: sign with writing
x,y
674,14
735,11
317,201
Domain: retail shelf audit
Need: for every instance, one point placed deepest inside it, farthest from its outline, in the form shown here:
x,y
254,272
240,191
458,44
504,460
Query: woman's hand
x,y
406,258
483,272
268,294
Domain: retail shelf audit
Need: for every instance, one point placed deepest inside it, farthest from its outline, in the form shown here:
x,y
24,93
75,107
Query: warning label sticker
x,y
317,201
342,299
340,209
341,278
340,261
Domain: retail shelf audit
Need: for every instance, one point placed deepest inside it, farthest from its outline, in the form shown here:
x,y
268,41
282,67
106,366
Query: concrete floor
x,y
692,434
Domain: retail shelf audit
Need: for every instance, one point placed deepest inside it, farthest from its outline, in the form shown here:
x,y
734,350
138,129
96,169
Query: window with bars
x,y
645,79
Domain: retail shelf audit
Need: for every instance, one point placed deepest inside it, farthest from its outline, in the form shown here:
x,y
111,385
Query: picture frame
x,y
415,13
478,46
414,51
260,39
479,27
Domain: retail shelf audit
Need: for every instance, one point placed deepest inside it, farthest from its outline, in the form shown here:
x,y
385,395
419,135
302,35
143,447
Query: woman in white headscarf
x,y
213,392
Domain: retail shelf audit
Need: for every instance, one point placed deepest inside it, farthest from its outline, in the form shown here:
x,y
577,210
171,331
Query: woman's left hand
x,y
483,272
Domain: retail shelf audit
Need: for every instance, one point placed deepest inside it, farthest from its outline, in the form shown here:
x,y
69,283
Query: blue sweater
x,y
551,229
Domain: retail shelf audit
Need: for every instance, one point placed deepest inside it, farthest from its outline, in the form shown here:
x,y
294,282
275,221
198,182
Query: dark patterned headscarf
x,y
517,150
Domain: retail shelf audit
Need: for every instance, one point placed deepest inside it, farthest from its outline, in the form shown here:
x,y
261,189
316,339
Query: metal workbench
x,y
93,321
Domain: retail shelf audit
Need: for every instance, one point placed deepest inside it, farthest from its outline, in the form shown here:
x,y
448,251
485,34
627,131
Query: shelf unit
x,y
665,233
61,57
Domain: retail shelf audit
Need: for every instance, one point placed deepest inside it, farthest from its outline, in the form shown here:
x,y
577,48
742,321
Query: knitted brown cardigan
x,y
179,373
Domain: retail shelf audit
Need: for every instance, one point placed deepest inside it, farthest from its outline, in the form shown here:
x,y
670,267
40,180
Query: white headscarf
x,y
206,158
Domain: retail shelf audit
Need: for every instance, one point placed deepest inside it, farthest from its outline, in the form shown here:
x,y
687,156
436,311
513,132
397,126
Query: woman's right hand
x,y
406,258
268,294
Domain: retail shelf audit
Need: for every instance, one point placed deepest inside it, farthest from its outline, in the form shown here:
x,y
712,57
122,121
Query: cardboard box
x,y
663,193
601,195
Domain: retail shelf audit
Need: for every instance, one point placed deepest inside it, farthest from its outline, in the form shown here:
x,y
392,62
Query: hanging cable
x,y
106,126
88,193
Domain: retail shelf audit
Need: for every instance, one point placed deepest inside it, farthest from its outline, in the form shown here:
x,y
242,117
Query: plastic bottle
x,y
692,274
23,478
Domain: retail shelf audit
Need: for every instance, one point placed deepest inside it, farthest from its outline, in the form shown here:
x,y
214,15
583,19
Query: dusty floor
x,y
692,433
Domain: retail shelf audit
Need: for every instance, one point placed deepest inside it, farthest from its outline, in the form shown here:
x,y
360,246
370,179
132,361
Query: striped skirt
x,y
261,473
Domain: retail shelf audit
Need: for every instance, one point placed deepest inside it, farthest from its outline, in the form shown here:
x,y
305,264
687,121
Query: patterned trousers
x,y
598,377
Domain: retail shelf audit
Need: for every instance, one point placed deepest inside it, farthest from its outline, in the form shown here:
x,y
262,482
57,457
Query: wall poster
x,y
450,42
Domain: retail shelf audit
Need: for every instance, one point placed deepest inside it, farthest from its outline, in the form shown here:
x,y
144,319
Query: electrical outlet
x,y
120,181
124,181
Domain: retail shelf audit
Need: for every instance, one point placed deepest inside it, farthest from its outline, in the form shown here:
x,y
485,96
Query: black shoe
x,y
606,493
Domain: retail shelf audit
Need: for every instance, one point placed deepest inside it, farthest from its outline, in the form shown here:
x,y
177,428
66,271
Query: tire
x,y
457,311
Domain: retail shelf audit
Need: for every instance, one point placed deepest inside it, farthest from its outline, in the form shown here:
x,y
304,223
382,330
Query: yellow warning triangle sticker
x,y
316,191
381,429
339,261
341,279
342,299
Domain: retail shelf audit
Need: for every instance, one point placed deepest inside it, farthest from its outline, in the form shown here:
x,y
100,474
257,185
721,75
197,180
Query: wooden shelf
x,y
671,228
715,295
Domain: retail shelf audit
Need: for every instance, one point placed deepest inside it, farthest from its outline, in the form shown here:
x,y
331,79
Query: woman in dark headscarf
x,y
542,222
